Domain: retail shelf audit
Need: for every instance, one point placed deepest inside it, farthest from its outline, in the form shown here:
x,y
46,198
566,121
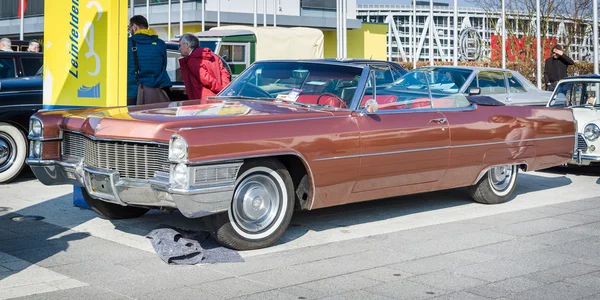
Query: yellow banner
x,y
85,53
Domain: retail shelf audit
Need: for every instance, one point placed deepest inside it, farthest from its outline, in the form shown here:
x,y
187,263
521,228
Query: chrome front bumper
x,y
106,185
581,159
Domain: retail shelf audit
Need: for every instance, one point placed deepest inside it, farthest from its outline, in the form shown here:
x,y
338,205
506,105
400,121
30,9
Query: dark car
x,y
21,93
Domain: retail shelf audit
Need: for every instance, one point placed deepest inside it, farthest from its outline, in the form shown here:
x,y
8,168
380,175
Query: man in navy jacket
x,y
152,59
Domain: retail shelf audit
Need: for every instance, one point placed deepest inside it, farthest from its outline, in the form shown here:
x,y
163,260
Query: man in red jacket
x,y
202,71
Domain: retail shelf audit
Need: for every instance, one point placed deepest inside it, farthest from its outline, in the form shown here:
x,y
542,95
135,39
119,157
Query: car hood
x,y
586,115
160,121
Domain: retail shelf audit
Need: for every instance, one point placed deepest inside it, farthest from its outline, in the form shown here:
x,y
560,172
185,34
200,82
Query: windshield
x,y
301,82
580,94
441,80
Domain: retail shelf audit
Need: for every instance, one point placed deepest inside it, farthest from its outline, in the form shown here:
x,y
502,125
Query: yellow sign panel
x,y
85,53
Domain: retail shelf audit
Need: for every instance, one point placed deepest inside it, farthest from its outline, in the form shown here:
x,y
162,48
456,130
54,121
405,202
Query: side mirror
x,y
474,91
371,107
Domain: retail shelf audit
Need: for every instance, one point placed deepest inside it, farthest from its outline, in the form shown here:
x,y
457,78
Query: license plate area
x,y
101,185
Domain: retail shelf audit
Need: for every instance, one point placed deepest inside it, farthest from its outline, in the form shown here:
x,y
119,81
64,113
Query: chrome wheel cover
x,y
256,203
500,177
8,152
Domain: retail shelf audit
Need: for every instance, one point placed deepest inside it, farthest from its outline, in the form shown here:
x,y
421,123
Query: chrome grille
x,y
216,174
131,160
581,143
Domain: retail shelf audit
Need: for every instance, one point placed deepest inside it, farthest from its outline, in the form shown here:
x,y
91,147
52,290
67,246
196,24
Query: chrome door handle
x,y
439,121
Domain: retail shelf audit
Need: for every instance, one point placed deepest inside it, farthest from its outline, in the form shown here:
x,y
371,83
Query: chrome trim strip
x,y
94,138
439,148
383,153
265,122
21,105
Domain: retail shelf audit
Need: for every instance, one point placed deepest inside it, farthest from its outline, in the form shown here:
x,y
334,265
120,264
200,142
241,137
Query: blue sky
x,y
463,3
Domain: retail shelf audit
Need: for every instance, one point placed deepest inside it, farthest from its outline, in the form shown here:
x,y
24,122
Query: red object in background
x,y
22,9
515,45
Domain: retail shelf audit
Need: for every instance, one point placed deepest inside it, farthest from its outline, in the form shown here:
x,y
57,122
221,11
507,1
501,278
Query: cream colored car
x,y
582,95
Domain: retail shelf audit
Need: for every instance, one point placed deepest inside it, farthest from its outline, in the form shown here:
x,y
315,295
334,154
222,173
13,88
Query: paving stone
x,y
340,284
473,255
495,270
67,283
586,248
581,217
232,287
450,244
302,293
544,259
591,212
384,274
505,287
406,290
510,248
591,280
536,227
357,295
7,235
269,295
461,296
87,292
592,229
26,290
96,271
556,291
447,281
180,293
31,275
557,237
431,264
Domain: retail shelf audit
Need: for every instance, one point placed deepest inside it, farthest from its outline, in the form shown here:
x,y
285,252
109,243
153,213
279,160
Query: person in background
x,y
555,67
202,71
5,44
151,60
34,46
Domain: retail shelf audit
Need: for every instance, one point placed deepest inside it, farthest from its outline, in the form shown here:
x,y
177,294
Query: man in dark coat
x,y
555,67
202,71
152,59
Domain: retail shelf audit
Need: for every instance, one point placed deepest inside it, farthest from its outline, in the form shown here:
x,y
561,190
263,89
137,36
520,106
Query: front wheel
x,y
261,207
496,186
13,152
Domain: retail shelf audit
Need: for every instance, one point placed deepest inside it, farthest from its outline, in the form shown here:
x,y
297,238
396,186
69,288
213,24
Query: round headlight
x,y
591,132
180,176
36,127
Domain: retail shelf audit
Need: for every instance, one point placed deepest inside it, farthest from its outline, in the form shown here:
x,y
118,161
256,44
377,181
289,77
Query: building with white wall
x,y
410,37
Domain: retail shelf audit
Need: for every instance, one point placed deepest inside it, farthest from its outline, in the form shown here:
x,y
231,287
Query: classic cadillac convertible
x,y
294,135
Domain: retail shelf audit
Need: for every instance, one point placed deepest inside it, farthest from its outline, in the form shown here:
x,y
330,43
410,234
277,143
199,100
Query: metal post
x,y
455,49
218,13
148,11
595,7
338,29
255,5
169,21
181,17
22,30
431,32
345,29
264,13
275,13
203,15
538,44
389,20
131,7
415,54
503,36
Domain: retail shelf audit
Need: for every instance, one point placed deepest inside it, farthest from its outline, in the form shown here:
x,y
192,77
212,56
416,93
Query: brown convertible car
x,y
295,135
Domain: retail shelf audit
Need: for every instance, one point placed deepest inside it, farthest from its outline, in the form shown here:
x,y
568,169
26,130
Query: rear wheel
x,y
261,208
13,152
496,186
112,211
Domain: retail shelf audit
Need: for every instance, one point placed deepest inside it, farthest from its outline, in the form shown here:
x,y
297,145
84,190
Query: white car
x,y
506,86
581,94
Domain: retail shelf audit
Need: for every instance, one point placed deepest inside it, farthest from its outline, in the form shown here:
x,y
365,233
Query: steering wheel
x,y
340,103
252,90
